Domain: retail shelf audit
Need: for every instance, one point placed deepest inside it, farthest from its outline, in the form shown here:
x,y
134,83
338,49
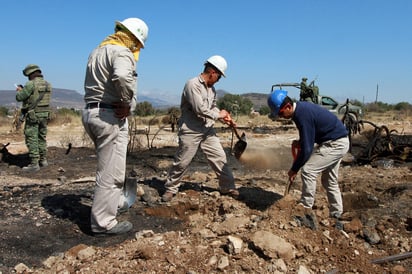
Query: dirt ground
x,y
44,225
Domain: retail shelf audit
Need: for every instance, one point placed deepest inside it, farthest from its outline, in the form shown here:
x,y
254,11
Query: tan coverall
x,y
199,113
110,78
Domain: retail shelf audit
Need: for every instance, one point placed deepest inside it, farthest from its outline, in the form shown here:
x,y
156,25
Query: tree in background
x,y
264,110
144,109
403,106
235,104
3,111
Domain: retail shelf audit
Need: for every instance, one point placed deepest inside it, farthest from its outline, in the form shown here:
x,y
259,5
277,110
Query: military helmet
x,y
29,69
304,79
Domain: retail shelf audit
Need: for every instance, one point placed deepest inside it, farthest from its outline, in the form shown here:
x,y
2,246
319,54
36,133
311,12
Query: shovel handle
x,y
235,131
288,186
233,127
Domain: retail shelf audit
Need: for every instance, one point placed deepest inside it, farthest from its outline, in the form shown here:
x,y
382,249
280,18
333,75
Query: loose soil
x,y
45,223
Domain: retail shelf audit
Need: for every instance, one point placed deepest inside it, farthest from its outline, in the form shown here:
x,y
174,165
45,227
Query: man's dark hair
x,y
286,101
209,67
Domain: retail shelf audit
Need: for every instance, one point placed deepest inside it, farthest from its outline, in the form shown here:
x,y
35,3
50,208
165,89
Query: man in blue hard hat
x,y
323,141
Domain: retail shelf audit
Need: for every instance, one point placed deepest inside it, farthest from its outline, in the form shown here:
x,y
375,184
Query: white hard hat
x,y
218,62
137,27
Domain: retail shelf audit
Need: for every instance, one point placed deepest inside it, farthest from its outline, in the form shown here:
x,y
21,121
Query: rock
x,y
223,262
303,270
280,265
231,225
212,260
234,244
86,253
206,233
16,189
353,226
74,251
50,261
22,268
144,234
139,191
272,246
371,236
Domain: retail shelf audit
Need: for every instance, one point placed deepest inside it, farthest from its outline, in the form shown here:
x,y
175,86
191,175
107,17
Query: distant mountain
x,y
156,102
258,99
72,99
60,98
220,93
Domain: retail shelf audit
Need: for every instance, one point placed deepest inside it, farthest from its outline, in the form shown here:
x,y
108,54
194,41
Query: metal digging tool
x,y
240,145
295,151
130,190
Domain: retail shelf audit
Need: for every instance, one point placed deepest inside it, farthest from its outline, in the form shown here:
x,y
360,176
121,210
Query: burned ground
x,y
45,215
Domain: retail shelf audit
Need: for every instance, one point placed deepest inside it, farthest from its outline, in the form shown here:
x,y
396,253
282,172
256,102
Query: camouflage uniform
x,y
37,116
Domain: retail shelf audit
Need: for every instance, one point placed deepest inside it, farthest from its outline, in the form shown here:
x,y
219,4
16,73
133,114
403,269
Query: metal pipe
x,y
392,258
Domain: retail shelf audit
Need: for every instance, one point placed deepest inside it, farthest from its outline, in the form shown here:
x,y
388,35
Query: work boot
x,y
31,168
43,163
119,228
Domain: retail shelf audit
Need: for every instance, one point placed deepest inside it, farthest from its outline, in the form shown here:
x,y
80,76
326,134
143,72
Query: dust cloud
x,y
256,158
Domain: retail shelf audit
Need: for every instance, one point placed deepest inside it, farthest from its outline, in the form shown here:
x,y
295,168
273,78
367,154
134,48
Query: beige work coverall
x,y
110,78
199,113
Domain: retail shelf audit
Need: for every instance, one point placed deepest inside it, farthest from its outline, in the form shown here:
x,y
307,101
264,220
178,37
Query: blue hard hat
x,y
275,100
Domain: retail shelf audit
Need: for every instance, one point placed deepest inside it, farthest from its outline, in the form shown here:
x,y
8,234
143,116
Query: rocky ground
x,y
44,225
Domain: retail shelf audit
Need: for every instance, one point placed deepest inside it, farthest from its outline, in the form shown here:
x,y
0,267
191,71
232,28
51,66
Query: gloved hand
x,y
121,110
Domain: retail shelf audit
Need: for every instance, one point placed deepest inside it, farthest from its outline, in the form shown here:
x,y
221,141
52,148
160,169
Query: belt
x,y
99,105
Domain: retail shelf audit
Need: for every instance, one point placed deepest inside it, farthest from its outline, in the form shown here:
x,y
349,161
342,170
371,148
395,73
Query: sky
x,y
356,49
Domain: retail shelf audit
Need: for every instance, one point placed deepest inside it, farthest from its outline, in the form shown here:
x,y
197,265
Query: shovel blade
x,y
130,190
240,146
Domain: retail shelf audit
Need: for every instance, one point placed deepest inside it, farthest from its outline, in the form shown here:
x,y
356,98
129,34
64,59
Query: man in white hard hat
x,y
199,114
110,97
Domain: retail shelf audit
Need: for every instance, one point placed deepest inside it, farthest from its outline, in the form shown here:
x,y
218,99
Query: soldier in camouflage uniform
x,y
309,92
35,96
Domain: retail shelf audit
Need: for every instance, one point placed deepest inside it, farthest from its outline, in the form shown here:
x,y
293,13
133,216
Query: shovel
x,y
130,190
295,151
241,144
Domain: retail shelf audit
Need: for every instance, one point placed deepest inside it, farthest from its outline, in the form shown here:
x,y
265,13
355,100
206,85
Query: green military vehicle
x,y
311,93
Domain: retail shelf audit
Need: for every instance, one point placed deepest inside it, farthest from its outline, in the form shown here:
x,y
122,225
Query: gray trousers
x,y
189,142
325,159
110,137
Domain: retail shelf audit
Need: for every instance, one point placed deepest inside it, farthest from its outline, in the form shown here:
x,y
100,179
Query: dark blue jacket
x,y
316,125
